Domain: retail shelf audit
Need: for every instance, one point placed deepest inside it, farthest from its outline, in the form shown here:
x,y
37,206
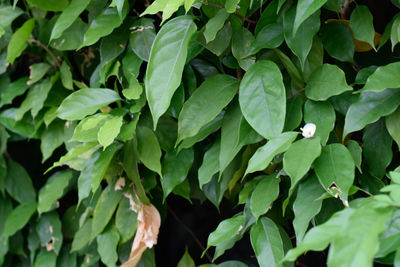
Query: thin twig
x,y
343,9
297,93
39,43
236,14
190,232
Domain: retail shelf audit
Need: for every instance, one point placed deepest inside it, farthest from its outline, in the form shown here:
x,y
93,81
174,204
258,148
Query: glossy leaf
x,y
369,108
298,158
85,102
304,9
105,207
226,230
264,154
149,152
300,41
383,77
267,243
18,41
322,115
262,98
141,39
335,170
175,168
215,24
166,62
265,192
319,88
205,104
361,24
67,17
338,41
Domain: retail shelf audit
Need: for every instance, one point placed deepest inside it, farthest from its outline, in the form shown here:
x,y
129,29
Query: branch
x,y
38,43
343,10
237,14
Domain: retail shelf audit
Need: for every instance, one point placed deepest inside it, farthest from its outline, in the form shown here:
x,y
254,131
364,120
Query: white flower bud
x,y
308,130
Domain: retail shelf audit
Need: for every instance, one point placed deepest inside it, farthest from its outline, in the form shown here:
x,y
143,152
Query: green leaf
x,y
265,192
107,244
301,42
395,33
141,39
19,184
8,14
241,42
166,62
66,76
306,205
319,88
369,108
232,5
264,154
210,165
215,24
322,115
13,90
104,210
103,25
49,5
304,9
383,77
94,170
148,148
298,158
362,26
226,230
71,38
37,71
175,168
338,41
52,138
82,236
125,220
45,258
85,102
88,128
67,17
297,79
35,99
18,218
186,260
270,36
205,104
356,152
335,170
53,190
17,43
267,243
48,229
262,98
166,7
109,131
235,133
377,147
393,127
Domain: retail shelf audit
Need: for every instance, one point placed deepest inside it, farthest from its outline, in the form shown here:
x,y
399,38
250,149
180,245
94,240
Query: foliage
x,y
204,100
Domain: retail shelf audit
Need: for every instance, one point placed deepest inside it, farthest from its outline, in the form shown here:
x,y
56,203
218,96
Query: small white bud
x,y
308,130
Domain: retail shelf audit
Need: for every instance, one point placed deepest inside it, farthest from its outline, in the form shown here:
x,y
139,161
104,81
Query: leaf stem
x,y
41,45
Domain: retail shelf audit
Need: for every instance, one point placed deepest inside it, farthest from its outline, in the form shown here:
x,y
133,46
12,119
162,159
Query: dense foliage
x,y
287,109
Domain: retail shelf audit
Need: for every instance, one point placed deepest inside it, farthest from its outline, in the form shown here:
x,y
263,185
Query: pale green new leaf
x,y
109,131
262,98
85,102
166,62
